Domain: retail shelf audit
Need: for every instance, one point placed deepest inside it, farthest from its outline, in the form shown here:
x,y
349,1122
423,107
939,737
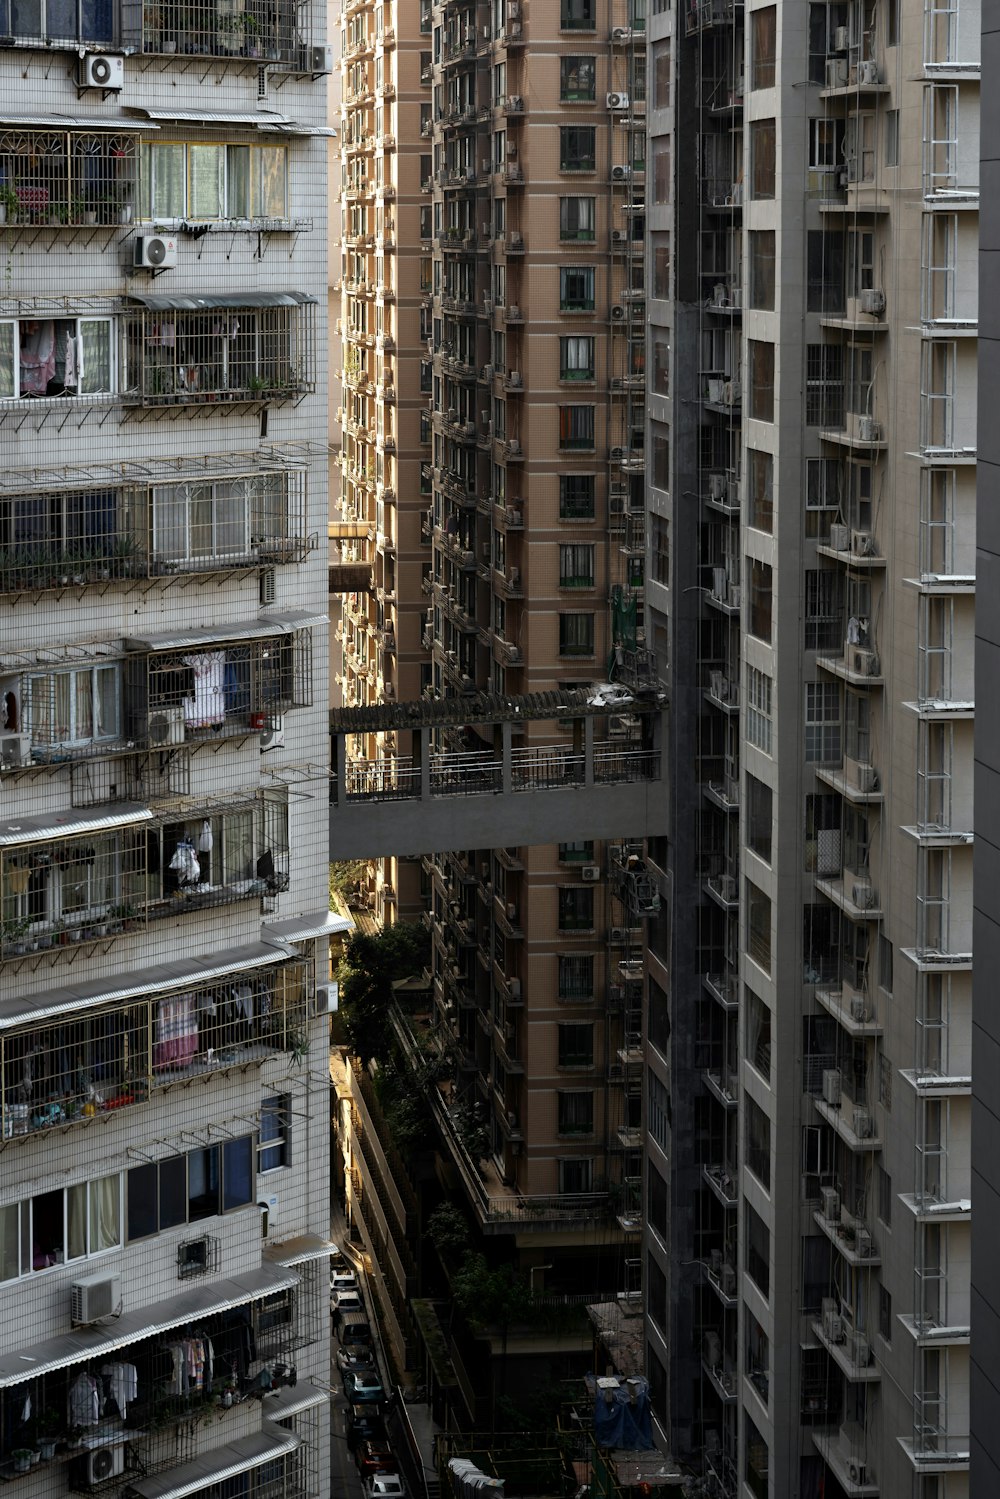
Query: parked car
x,y
357,1333
365,1423
364,1387
344,1303
354,1358
384,1486
375,1457
343,1280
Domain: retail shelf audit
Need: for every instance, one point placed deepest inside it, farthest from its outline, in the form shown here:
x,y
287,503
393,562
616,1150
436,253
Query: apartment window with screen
x,y
576,1043
576,908
661,74
577,497
823,623
185,180
759,696
576,634
760,476
660,560
575,1113
758,918
762,159
822,723
578,219
576,427
577,148
576,565
758,1141
576,358
272,1141
763,41
822,495
758,1033
577,15
760,599
825,385
578,80
576,976
576,288
762,269
761,368
759,799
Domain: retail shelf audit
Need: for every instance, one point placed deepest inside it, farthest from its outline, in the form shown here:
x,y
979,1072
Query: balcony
x,y
845,1453
723,1184
850,1350
853,1121
279,34
58,180
849,1235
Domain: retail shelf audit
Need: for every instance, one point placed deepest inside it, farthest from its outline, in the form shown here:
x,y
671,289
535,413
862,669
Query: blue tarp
x,y
621,1414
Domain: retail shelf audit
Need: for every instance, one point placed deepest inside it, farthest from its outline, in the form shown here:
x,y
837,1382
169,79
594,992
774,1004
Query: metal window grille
x,y
67,179
275,31
229,353
59,894
82,1067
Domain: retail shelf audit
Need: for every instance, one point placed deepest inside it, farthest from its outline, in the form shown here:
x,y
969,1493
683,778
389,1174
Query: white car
x,y
384,1486
343,1280
344,1302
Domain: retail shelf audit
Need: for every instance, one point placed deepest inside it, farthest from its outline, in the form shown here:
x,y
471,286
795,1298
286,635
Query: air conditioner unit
x,y
273,735
831,1204
617,101
617,933
154,252
514,312
617,454
717,486
731,393
831,1087
516,103
514,445
619,237
321,60
864,1246
621,34
872,300
620,173
15,750
617,313
863,895
90,1300
513,573
712,1349
860,1007
166,726
869,430
104,1463
514,985
828,852
98,70
862,1124
836,72
862,544
727,1280
841,39
833,1327
867,777
590,873
840,537
868,73
514,377
864,663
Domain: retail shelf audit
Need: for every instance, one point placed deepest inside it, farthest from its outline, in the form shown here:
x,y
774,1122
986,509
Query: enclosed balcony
x,y
276,32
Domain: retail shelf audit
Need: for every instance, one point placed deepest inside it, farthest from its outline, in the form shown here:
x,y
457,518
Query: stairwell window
x,y
575,1176
576,1044
761,586
662,180
763,171
822,723
576,976
762,256
662,73
577,15
760,469
759,701
758,1141
577,497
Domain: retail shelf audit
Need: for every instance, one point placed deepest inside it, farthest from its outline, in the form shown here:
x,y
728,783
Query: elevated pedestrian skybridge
x,y
490,772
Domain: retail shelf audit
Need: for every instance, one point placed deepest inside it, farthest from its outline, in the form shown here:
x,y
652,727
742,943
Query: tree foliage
x,y
370,965
448,1230
490,1297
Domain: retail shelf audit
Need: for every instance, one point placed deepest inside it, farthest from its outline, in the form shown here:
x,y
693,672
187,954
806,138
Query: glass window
x,y
576,908
576,1044
172,1192
759,622
762,159
758,1256
576,358
662,181
576,427
758,1141
576,634
576,565
759,806
758,918
661,74
577,853
825,385
576,1176
237,1173
140,1202
575,1113
203,1183
577,218
578,79
764,35
577,148
576,288
576,976
825,270
759,693
661,264
822,723
74,707
577,15
760,468
762,268
758,1033
761,360
273,1140
659,1110
576,497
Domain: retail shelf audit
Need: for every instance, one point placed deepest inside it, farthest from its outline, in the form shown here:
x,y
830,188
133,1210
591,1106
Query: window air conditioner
x,y
831,1204
273,735
514,377
154,252
15,750
618,237
864,1247
617,101
590,873
869,430
166,726
716,486
514,312
104,1463
831,1087
98,70
872,300
840,538
90,1300
515,102
617,454
833,1327
514,985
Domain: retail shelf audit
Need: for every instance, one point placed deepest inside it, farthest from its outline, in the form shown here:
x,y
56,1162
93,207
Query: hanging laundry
x,y
122,1385
176,1031
207,708
83,1405
185,863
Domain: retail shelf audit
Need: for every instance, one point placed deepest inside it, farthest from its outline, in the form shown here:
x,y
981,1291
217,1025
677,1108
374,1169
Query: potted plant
x,y
47,1428
21,1458
8,203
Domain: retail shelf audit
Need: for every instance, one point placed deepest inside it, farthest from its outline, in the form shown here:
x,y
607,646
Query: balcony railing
x,y
278,32
471,774
82,1067
65,179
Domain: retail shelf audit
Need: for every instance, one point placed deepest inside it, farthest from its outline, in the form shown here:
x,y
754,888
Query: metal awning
x,y
154,978
301,1250
71,824
301,928
216,1466
25,120
217,301
256,119
284,1403
252,629
160,1316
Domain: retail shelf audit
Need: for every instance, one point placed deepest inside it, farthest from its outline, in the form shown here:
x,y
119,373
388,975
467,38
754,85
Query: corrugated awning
x,y
38,121
154,978
301,928
254,119
218,301
251,629
71,824
292,1402
160,1316
301,1250
216,1466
